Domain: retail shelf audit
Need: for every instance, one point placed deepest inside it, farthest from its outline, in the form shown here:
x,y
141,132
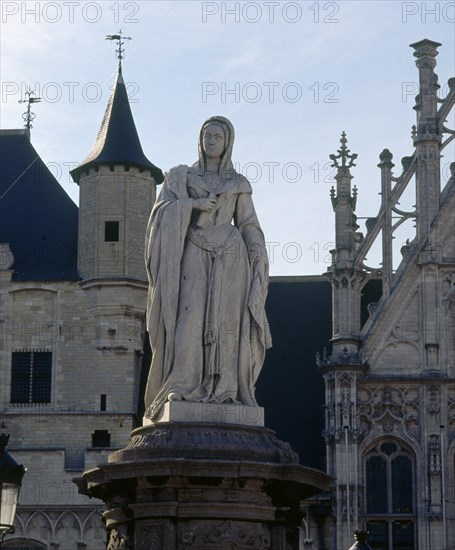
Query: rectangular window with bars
x,y
31,377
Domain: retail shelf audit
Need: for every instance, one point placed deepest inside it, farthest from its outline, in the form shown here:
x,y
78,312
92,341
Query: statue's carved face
x,y
213,141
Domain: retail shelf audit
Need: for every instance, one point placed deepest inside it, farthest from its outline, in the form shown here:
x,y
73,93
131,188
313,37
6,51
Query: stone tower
x,y
72,312
390,384
117,191
344,366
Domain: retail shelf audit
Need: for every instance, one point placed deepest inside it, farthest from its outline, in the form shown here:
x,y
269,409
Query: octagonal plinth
x,y
203,486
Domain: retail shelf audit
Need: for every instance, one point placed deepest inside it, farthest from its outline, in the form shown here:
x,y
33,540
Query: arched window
x,y
390,496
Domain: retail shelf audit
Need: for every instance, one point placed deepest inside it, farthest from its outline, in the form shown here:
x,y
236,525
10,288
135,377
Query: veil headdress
x,y
226,169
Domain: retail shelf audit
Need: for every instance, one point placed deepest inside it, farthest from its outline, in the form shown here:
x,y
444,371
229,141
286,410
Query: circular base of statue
x,y
203,486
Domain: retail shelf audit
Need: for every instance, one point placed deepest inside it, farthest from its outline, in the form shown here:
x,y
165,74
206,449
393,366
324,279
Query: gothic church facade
x,y
390,384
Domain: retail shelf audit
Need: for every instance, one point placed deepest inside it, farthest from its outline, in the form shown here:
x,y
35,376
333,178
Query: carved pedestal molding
x,y
226,413
187,485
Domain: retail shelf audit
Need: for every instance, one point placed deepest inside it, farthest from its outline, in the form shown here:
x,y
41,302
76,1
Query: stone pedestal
x,y
225,413
203,485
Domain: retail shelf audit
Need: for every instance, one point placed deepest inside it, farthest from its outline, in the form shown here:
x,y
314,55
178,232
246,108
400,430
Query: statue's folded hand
x,y
204,205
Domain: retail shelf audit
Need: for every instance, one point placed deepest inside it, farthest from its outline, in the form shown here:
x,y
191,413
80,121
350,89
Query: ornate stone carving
x,y
390,408
451,412
432,355
449,294
195,441
234,493
431,154
405,332
342,508
371,307
434,454
344,154
119,541
118,501
425,51
152,538
330,410
434,396
406,162
37,526
346,403
227,535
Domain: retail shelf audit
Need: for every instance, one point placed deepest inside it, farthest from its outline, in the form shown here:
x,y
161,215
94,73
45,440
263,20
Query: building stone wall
x,y
95,330
90,357
117,193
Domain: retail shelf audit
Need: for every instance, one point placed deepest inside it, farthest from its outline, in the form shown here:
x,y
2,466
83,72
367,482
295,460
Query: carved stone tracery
x,y
227,535
434,454
152,538
392,408
451,413
434,396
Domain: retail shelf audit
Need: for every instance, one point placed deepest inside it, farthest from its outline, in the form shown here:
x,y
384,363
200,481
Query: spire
x,y
117,141
344,154
344,198
427,137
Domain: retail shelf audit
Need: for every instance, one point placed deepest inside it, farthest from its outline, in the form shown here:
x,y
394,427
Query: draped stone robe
x,y
208,283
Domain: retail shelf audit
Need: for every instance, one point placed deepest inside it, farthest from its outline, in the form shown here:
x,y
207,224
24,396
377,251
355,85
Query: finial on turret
x,y
120,40
386,159
344,154
28,116
425,48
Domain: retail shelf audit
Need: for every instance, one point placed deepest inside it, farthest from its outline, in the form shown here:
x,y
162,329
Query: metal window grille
x,y
31,377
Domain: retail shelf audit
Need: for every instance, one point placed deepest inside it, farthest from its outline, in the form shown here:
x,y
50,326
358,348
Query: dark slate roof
x,y
118,141
37,218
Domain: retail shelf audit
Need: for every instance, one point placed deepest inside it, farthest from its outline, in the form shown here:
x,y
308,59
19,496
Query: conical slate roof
x,y
117,141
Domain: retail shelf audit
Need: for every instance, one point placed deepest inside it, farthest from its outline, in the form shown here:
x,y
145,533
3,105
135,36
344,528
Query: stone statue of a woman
x,y
208,272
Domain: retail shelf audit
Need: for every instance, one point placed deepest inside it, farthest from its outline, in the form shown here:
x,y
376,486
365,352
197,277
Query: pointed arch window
x,y
390,496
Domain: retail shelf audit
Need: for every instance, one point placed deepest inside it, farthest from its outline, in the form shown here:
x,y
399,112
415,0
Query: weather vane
x,y
120,41
28,116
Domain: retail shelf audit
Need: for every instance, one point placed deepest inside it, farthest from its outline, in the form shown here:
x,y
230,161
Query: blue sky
x,y
290,75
